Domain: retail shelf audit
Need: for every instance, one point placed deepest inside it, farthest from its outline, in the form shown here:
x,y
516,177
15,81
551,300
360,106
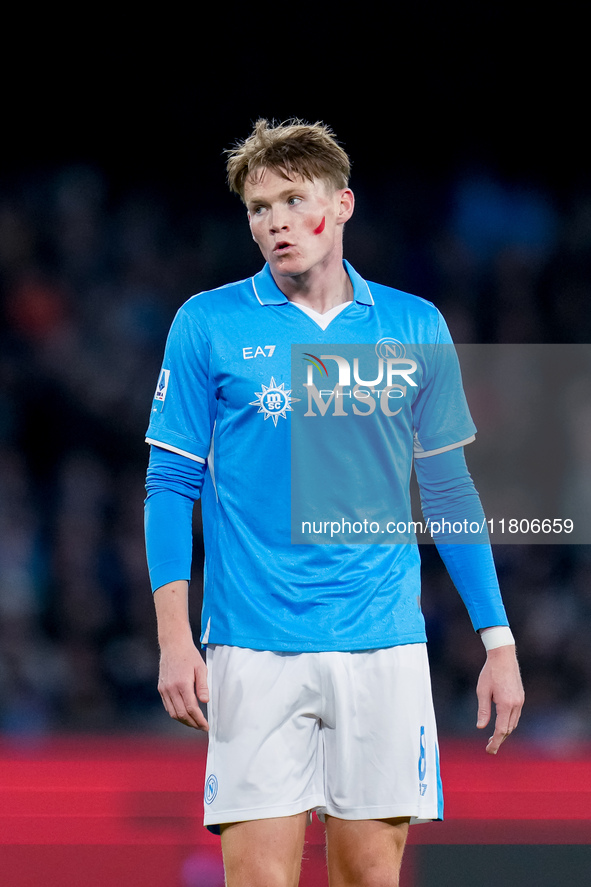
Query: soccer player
x,y
317,679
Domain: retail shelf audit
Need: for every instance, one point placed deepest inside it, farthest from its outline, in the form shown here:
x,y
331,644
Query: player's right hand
x,y
182,684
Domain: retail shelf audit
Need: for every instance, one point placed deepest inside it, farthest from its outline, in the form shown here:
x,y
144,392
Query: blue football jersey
x,y
302,427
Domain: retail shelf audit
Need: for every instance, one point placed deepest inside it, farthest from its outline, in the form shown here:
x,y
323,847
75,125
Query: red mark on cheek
x,y
320,227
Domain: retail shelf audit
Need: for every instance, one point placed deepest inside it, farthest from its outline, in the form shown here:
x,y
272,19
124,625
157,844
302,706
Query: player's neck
x,y
319,288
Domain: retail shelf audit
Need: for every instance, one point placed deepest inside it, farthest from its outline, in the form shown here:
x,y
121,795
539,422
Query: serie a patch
x,y
162,388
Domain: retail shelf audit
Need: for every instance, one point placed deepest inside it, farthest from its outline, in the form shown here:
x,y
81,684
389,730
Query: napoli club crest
x,y
211,789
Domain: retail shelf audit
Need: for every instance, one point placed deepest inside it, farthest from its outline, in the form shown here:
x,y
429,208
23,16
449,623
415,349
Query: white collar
x,y
322,320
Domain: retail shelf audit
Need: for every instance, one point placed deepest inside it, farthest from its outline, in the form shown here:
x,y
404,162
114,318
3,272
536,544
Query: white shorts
x,y
352,735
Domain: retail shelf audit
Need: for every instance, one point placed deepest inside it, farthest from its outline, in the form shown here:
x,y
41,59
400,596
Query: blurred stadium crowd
x,y
90,278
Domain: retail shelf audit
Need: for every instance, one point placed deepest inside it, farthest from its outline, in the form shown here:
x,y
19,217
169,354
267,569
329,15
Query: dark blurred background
x,y
468,134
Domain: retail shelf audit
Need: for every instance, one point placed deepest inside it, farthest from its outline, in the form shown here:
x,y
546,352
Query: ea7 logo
x,y
258,351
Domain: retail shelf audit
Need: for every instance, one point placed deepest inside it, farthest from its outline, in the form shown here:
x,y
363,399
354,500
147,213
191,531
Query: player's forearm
x,y
448,497
472,570
172,614
169,537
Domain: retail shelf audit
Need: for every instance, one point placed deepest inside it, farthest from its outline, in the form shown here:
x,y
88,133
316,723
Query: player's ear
x,y
346,205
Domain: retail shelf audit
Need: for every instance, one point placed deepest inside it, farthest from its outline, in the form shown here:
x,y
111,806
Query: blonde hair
x,y
310,151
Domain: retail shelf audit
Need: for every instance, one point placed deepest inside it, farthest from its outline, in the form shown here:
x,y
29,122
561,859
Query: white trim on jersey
x,y
420,453
254,286
165,446
211,466
369,292
279,297
205,638
322,320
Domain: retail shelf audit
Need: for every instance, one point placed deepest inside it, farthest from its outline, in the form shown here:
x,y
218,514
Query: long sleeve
x,y
173,484
448,494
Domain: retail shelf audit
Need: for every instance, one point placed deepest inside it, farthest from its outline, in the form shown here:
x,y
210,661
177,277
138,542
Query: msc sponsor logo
x,y
274,401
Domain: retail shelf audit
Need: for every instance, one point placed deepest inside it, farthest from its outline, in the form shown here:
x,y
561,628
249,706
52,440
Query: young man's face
x,y
297,223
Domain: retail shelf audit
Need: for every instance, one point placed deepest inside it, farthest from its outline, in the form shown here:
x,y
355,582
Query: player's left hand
x,y
500,682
